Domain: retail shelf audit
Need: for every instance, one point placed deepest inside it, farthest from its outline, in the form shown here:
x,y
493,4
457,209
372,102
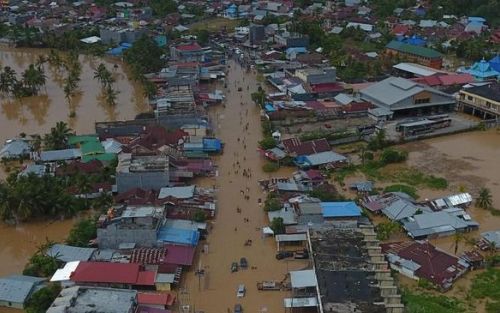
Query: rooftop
x,y
489,91
79,299
67,253
129,164
17,288
412,49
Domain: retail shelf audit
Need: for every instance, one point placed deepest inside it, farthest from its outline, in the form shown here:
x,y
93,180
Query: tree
x,y
277,225
144,57
326,192
41,264
267,142
41,299
33,79
199,216
104,76
163,7
272,202
484,200
110,95
8,80
82,232
386,229
57,139
84,186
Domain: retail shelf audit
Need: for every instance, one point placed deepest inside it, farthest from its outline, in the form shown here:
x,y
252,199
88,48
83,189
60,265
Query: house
x,y
295,147
188,52
482,99
438,224
117,35
412,53
327,158
257,34
315,76
405,97
155,300
65,253
482,70
106,274
491,239
60,155
146,172
81,298
292,40
15,149
421,260
340,210
137,225
15,290
461,200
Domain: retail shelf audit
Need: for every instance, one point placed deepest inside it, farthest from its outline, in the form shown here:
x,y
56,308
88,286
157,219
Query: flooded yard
x,y
36,115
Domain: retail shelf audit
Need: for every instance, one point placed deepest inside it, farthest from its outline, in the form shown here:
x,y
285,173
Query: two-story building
x,y
417,54
483,101
146,172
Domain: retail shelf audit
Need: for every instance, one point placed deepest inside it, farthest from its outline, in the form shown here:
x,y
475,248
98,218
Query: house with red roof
x,y
156,300
422,260
295,147
105,274
188,52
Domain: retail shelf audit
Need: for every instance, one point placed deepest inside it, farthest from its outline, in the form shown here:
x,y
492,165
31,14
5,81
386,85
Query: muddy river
x,y
36,115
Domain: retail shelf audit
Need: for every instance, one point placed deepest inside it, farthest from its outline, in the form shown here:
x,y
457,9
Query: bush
x,y
409,190
267,143
199,216
326,192
272,202
41,300
420,303
386,230
389,156
270,167
277,225
82,232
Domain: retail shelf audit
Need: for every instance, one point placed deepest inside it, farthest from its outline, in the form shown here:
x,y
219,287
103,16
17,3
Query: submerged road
x,y
239,216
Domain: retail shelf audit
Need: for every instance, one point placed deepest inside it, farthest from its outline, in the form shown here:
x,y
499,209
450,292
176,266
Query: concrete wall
x,y
111,237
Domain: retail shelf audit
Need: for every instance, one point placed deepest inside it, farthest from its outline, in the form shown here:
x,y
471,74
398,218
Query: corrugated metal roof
x,y
181,192
67,253
340,209
17,288
303,279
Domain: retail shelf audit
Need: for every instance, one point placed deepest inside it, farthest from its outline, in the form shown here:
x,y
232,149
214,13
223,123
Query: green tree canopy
x,y
144,57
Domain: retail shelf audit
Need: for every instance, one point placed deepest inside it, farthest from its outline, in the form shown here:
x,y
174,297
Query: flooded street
x,y
216,291
36,115
18,243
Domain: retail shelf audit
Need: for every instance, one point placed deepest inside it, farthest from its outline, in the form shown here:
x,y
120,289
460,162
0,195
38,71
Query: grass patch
x,y
414,177
214,25
340,174
412,191
426,303
487,285
270,167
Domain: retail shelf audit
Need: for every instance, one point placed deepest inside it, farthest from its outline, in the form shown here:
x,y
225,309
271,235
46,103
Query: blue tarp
x,y
178,236
212,145
340,209
269,108
120,49
415,41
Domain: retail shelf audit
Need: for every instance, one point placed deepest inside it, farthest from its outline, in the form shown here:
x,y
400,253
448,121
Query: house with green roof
x,y
91,148
421,55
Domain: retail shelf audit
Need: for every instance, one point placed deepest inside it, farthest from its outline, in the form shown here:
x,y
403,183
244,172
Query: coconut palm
x,y
58,136
103,75
7,79
484,200
34,78
110,96
40,61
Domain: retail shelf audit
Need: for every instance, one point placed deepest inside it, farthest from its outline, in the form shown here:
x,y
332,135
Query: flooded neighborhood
x,y
272,156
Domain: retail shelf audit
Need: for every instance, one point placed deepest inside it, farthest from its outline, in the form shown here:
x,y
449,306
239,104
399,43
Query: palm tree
x,y
104,76
40,61
484,200
84,186
33,78
7,79
36,142
111,96
58,136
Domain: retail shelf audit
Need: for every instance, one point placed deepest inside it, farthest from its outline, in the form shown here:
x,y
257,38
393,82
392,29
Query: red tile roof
x,y
180,255
435,265
148,256
104,272
400,29
146,278
327,87
295,146
189,47
456,79
153,298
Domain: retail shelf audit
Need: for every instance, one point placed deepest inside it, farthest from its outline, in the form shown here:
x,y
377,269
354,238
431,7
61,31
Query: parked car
x,y
243,263
234,267
238,308
283,255
240,293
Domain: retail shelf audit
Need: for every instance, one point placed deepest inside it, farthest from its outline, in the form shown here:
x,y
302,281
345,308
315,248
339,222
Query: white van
x,y
241,291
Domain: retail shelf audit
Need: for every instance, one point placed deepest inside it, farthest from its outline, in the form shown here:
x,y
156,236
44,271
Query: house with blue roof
x,y
231,11
415,41
481,70
179,236
336,210
495,63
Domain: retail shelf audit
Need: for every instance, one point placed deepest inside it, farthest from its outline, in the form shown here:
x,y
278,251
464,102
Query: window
x,y
469,98
423,100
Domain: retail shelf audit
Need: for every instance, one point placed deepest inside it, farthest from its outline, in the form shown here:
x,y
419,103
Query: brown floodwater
x,y
36,115
216,291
